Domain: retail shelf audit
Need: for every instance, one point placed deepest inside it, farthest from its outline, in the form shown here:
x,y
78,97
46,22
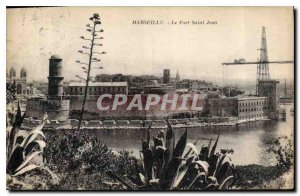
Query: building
x,y
243,108
21,82
97,88
269,89
166,76
159,89
252,107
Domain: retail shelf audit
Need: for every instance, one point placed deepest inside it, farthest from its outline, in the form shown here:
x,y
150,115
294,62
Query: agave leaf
x,y
145,145
33,134
18,118
148,133
12,140
113,176
226,181
212,180
26,161
182,173
214,146
170,141
148,162
142,159
180,146
142,178
222,171
159,152
209,143
154,181
223,159
26,169
158,141
160,133
55,178
15,160
211,187
204,153
192,148
171,171
200,174
202,164
212,161
41,144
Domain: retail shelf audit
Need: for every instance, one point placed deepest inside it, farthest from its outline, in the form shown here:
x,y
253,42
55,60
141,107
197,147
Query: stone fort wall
x,y
56,109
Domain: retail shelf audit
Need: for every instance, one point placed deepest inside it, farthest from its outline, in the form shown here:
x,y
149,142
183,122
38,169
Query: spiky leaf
x,y
26,169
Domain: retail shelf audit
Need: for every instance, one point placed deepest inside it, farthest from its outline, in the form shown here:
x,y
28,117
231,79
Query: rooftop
x,y
99,84
249,98
55,56
240,98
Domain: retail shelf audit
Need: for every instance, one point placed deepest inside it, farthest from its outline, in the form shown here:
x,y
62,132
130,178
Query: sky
x,y
196,51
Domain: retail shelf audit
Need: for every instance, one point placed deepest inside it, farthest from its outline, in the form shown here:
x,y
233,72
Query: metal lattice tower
x,y
262,63
263,66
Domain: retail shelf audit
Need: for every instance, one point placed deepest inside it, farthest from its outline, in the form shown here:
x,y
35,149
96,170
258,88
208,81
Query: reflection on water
x,y
249,142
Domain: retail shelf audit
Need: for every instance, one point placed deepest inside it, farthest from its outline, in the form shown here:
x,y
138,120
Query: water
x,y
250,142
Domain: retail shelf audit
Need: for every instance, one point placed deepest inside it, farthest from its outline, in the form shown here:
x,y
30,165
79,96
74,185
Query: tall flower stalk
x,y
92,28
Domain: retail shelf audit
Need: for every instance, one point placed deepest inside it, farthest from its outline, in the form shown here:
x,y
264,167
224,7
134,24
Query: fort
x,y
54,105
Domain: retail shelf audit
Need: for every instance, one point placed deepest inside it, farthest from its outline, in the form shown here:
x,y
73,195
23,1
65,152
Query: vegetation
x,y
283,149
81,161
11,90
23,152
166,166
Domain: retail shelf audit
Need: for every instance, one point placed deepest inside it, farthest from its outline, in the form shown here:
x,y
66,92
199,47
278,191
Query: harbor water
x,y
250,142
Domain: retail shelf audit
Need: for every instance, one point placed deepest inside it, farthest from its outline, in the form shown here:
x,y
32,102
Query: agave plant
x,y
166,166
25,149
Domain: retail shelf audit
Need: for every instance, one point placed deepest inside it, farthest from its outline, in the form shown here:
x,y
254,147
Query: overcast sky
x,y
196,51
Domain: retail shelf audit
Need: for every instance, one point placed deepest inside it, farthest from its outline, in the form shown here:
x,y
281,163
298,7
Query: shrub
x,y
81,161
283,149
166,166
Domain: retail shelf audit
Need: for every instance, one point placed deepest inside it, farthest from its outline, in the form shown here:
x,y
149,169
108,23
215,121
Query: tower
x,y
177,77
166,76
12,73
55,79
23,73
269,88
263,65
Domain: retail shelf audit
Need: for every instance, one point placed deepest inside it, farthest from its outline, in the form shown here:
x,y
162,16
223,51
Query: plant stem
x,y
87,78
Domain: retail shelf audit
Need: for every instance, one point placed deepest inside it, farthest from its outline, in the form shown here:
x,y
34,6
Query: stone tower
x,y
56,106
269,88
55,79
